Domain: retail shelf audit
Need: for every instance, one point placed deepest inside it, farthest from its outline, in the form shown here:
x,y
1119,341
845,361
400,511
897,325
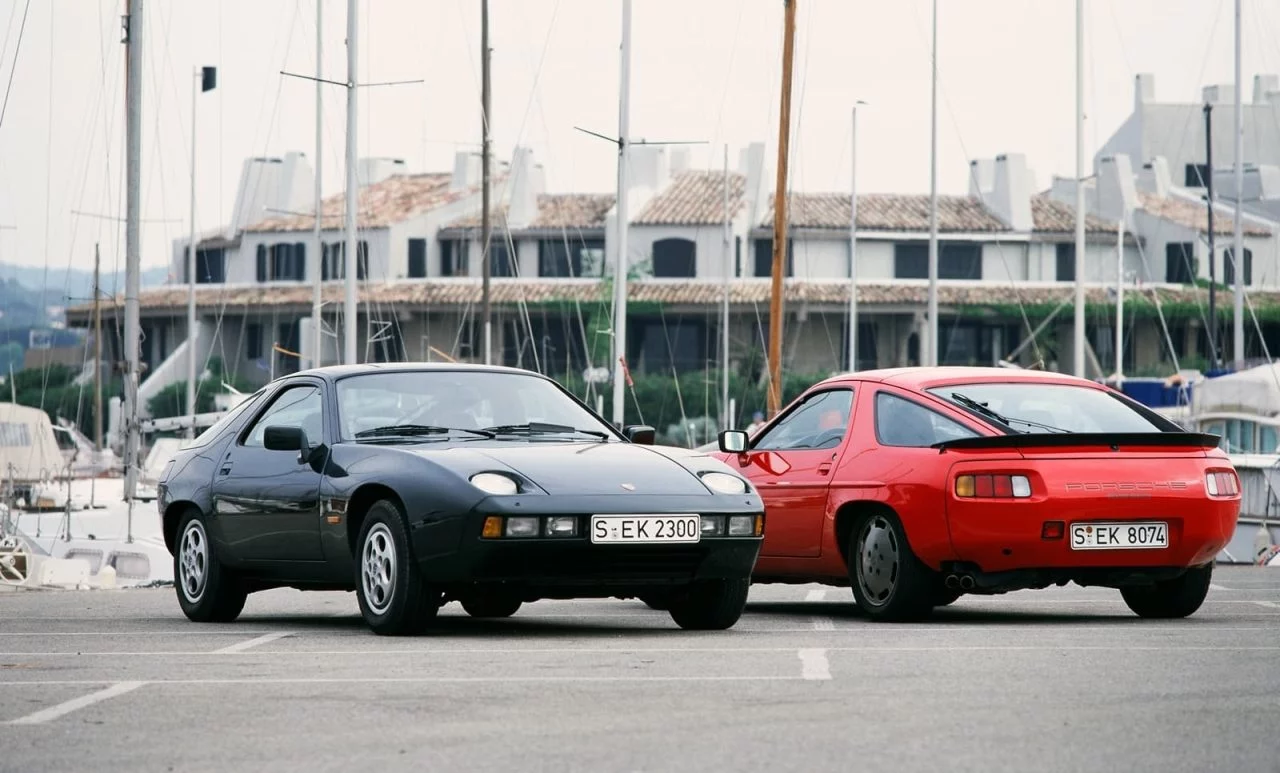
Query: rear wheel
x,y
889,582
490,604
393,598
710,605
207,591
1178,597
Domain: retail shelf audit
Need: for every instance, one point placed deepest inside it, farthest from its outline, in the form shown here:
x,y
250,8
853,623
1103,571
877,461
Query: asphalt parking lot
x,y
1066,679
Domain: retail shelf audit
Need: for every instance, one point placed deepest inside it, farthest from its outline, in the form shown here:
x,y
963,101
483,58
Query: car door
x,y
791,465
268,502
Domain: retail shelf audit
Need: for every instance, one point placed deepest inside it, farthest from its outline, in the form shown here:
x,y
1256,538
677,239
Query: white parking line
x,y
62,709
407,680
244,645
1268,604
816,595
814,664
824,624
1216,586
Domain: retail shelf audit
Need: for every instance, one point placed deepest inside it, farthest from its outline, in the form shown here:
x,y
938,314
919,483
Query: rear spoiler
x,y
1066,439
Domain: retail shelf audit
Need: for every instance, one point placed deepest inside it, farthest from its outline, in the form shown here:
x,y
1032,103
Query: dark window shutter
x,y
262,262
417,258
300,261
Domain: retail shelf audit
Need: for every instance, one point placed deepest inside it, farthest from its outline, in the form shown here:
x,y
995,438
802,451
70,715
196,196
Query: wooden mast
x,y
780,213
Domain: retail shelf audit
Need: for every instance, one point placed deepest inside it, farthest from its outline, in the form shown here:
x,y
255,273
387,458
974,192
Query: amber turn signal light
x,y
492,527
759,525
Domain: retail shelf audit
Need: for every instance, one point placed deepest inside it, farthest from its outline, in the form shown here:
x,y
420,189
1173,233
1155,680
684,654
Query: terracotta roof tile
x,y
464,292
1192,214
693,198
1052,216
380,205
574,211
887,212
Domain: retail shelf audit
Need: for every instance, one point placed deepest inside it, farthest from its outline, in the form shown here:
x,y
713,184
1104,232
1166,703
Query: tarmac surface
x,y
1058,680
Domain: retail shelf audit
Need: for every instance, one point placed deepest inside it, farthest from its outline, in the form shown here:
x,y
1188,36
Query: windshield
x,y
462,401
1041,408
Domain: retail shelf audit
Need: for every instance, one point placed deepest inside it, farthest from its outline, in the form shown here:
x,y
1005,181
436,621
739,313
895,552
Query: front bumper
x,y
452,551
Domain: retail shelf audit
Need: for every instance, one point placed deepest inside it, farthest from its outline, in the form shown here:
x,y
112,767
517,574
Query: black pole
x,y
1208,182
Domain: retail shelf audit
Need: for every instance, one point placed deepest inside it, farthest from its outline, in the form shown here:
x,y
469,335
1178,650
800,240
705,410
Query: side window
x,y
299,406
901,422
821,421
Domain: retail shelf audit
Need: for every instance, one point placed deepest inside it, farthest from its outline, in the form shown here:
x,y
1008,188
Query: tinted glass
x,y
818,422
299,406
457,399
902,422
1056,406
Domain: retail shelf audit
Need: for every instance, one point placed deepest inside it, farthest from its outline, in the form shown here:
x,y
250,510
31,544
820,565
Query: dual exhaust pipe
x,y
960,581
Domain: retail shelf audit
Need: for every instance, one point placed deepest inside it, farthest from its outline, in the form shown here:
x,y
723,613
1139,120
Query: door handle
x,y
824,468
226,469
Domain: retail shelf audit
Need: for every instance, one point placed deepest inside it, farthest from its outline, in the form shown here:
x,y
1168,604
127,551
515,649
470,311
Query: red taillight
x,y
1222,484
993,486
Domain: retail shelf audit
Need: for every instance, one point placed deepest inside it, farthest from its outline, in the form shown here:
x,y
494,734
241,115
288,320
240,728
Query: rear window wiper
x,y
540,428
408,430
1008,421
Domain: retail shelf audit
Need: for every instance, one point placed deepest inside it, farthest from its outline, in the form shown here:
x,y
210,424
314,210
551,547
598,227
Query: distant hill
x,y
65,286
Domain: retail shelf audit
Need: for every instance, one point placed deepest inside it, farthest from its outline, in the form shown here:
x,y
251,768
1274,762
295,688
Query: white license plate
x,y
646,528
1114,536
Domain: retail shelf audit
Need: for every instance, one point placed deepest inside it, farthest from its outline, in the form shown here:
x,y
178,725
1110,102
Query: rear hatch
x,y
1139,495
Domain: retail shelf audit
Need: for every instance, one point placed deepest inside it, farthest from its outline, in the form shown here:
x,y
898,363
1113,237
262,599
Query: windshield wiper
x,y
409,430
540,428
1008,421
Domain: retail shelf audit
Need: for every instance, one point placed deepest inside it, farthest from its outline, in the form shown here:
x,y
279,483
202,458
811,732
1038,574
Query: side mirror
x,y
733,441
641,434
285,439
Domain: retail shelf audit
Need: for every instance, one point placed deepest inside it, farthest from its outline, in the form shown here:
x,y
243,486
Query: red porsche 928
x,y
917,485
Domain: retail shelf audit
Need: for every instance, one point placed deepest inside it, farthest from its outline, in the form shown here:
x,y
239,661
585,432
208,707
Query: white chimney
x,y
1117,192
1010,198
523,190
650,167
1219,94
1264,86
1144,89
375,170
1155,178
751,163
271,187
982,176
466,170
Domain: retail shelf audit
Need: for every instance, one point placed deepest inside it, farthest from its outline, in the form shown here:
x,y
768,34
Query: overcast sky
x,y
701,70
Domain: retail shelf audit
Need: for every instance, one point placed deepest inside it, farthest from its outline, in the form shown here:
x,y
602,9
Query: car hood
x,y
576,468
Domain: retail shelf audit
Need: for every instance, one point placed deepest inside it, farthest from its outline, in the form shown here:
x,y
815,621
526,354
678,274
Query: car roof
x,y
333,372
919,378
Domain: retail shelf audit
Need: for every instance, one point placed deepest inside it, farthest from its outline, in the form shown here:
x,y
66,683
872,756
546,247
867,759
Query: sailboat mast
x,y
1213,283
1077,361
853,245
132,244
191,272
97,349
1120,303
317,279
1237,237
486,267
351,258
727,257
932,314
620,267
780,213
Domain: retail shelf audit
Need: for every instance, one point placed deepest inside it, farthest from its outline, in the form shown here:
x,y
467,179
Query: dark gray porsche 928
x,y
417,484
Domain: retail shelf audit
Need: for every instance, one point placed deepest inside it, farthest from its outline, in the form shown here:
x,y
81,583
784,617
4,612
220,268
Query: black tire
x,y
889,582
1179,597
490,604
207,591
659,601
710,605
393,598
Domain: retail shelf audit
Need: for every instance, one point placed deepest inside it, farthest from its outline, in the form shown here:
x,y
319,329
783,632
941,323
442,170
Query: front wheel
x,y
207,592
710,605
393,598
1178,597
659,601
889,582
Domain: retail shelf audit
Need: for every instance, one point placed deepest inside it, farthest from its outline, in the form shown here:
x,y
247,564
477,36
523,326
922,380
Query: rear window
x,y
1039,408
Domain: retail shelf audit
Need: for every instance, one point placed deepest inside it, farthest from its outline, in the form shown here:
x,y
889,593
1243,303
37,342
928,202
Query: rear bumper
x,y
1006,537
977,581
